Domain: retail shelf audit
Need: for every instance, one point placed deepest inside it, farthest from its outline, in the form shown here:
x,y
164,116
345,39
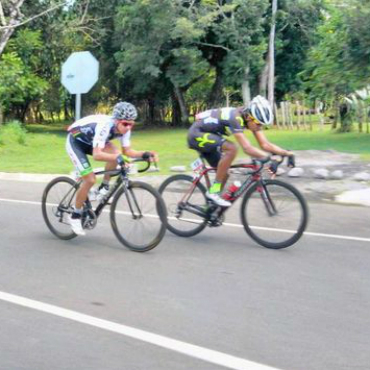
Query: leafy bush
x,y
13,132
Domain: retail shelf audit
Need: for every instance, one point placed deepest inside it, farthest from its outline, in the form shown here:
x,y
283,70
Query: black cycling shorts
x,y
207,143
78,151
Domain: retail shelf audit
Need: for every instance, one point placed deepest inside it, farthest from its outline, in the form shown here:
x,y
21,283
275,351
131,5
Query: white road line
x,y
19,201
307,233
205,354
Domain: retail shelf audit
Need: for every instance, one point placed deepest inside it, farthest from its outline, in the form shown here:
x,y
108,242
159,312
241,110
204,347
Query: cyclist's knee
x,y
89,179
229,149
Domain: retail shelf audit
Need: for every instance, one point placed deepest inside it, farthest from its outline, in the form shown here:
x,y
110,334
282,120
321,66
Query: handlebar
x,y
146,161
123,168
259,164
147,164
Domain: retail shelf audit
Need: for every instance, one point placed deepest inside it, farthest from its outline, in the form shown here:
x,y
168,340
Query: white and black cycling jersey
x,y
96,130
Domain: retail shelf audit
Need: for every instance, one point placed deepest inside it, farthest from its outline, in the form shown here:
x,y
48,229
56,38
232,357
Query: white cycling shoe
x,y
76,226
215,198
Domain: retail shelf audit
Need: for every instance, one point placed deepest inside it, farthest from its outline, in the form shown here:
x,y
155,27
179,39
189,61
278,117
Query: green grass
x,y
44,149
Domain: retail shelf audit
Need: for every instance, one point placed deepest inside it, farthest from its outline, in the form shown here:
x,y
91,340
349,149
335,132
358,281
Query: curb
x,y
28,177
45,178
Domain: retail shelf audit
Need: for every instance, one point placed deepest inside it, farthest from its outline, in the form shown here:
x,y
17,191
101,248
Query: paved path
x,y
302,308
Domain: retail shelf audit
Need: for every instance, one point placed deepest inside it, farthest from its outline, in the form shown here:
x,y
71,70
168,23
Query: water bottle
x,y
231,190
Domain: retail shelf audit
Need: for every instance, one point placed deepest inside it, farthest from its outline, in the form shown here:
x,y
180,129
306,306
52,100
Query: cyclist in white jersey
x,y
91,135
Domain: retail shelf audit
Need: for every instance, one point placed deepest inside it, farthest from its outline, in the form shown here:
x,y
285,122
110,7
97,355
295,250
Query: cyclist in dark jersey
x,y
92,135
207,136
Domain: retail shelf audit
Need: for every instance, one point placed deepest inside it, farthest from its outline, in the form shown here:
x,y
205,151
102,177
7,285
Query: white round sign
x,y
80,72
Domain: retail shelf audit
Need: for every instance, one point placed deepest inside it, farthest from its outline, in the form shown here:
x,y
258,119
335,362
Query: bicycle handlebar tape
x,y
120,160
260,161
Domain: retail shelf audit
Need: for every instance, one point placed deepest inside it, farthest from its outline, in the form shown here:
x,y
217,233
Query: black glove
x,y
291,161
273,167
146,155
120,160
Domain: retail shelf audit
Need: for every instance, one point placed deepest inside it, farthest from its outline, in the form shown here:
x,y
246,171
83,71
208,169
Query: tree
x,y
338,64
296,33
157,56
271,55
11,17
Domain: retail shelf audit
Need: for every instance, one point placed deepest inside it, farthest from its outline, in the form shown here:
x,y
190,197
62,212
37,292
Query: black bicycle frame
x,y
120,180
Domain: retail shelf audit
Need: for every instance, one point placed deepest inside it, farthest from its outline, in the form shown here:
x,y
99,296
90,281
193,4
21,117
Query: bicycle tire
x,y
172,191
278,193
49,203
121,216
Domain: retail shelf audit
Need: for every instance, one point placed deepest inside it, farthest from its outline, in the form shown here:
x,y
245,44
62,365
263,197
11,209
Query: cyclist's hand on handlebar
x,y
120,160
273,167
291,160
150,155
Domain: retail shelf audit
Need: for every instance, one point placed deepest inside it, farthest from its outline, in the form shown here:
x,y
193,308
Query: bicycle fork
x,y
266,198
133,203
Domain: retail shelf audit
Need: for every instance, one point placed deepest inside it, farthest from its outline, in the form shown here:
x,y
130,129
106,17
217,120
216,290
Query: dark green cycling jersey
x,y
221,121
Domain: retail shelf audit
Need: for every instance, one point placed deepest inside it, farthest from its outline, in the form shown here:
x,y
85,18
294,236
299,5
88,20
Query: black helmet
x,y
124,110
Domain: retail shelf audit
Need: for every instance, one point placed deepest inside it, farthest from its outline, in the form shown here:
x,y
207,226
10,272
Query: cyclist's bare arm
x,y
100,154
266,145
248,148
132,153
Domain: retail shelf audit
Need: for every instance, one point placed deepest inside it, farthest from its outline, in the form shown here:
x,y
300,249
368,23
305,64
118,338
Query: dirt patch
x,y
329,189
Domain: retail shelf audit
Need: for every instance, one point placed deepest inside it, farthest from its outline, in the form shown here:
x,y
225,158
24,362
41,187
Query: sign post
x,y
79,74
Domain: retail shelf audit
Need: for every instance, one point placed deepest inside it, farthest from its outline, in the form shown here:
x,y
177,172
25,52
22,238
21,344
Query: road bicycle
x,y
137,211
273,213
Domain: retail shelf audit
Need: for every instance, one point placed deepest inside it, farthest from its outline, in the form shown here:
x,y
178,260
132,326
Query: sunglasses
x,y
127,123
254,120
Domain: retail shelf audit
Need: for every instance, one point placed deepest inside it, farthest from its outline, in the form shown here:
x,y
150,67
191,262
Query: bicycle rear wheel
x,y
180,202
138,216
274,214
57,201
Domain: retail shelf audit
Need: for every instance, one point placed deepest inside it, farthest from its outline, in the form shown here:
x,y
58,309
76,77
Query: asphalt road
x,y
305,307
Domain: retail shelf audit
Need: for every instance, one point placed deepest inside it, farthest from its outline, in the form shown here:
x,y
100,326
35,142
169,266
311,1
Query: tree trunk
x,y
298,113
263,77
360,116
283,115
271,54
277,120
183,109
321,118
216,96
246,90
176,114
14,20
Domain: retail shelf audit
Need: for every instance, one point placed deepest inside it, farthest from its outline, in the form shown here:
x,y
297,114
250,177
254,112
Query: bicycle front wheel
x,y
183,202
138,216
57,201
274,214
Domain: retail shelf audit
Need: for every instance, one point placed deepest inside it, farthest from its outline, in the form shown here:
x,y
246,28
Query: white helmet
x,y
124,110
260,109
